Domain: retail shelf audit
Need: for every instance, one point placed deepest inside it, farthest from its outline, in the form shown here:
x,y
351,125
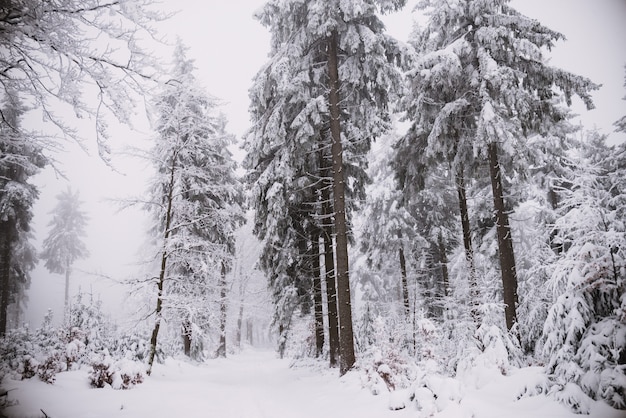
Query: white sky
x,y
229,48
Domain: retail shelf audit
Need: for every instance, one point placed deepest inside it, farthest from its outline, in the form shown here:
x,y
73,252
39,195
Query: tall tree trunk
x,y
329,260
186,334
405,286
331,283
158,315
221,349
444,264
239,323
5,275
317,292
344,307
505,241
467,242
67,285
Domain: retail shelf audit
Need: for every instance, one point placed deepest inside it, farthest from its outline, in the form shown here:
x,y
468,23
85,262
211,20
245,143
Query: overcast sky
x,y
229,47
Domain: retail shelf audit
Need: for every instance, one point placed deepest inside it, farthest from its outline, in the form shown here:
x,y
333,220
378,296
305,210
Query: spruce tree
x,y
20,159
195,201
481,90
585,333
329,79
64,244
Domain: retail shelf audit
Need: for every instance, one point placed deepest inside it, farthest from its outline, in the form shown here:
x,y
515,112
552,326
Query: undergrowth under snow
x,y
258,384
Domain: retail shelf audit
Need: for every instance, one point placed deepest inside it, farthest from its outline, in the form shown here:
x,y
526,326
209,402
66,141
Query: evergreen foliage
x,y
584,333
64,244
195,201
289,145
20,159
480,88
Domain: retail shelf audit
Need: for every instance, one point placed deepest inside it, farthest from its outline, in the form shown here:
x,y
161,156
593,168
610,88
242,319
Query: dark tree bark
x,y
444,265
331,284
161,279
505,241
5,275
344,308
221,349
317,292
186,334
329,260
405,285
467,242
239,323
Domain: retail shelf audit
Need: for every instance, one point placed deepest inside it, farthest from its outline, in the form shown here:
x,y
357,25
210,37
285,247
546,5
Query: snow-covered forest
x,y
414,227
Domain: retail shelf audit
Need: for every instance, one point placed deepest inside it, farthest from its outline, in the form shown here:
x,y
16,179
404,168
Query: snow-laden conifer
x,y
480,89
64,244
195,203
585,333
291,109
20,159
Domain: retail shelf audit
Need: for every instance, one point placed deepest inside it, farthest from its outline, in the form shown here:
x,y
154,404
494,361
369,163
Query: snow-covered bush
x,y
131,346
493,352
119,374
387,363
585,332
25,354
50,350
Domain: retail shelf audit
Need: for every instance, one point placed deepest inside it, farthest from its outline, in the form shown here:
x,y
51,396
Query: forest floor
x,y
256,384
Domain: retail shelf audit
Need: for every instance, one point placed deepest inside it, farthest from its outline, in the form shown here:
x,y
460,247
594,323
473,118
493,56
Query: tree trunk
x,y
5,276
505,241
467,243
344,308
405,286
317,293
186,331
67,285
161,280
331,286
239,323
221,349
444,265
329,262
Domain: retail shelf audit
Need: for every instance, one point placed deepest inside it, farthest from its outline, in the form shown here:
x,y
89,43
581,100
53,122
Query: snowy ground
x,y
255,384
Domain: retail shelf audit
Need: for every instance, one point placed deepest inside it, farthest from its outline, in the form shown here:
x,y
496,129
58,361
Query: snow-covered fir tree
x,y
585,333
312,42
195,201
20,159
481,87
64,244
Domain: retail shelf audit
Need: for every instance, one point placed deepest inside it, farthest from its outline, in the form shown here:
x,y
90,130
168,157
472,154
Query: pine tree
x,y
64,244
20,159
484,89
195,201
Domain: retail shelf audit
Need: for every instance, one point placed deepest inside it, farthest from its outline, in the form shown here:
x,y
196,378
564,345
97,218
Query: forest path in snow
x,y
256,384
253,384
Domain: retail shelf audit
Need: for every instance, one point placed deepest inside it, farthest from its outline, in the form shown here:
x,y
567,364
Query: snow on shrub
x,y
585,331
25,354
49,350
120,374
386,364
492,353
